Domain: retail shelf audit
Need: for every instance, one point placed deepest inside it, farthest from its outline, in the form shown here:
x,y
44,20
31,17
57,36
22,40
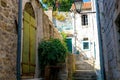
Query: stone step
x,y
84,75
90,62
86,72
34,79
84,65
85,79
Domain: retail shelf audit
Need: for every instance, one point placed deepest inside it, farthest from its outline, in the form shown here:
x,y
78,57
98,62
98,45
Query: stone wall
x,y
44,26
110,39
8,35
8,39
49,29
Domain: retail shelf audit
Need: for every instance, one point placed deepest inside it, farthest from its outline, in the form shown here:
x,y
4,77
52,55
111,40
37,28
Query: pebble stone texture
x,y
8,39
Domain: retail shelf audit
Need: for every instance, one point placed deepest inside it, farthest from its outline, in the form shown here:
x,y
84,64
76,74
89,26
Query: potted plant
x,y
51,53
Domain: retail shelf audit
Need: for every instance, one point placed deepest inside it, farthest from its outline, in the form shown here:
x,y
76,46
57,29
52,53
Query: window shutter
x,y
29,48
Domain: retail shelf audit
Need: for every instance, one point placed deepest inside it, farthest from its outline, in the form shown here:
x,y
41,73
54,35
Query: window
x,y
85,39
85,44
84,20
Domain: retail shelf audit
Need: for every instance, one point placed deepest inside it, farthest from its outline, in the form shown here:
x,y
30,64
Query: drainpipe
x,y
102,71
19,40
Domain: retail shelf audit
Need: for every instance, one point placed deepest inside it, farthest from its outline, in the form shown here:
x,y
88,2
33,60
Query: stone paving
x,y
84,69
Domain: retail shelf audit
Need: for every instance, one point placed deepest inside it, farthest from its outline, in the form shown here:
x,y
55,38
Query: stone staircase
x,y
84,75
84,65
84,69
34,79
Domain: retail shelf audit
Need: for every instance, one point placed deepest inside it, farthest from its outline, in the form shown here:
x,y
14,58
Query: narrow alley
x,y
59,40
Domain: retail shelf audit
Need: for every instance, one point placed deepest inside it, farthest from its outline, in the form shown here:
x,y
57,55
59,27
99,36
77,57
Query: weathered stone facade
x,y
8,39
109,17
9,35
49,29
44,27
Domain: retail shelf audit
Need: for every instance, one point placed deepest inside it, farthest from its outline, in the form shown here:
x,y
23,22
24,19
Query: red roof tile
x,y
85,6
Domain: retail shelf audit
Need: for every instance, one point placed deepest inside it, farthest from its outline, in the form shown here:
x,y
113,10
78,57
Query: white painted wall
x,y
90,31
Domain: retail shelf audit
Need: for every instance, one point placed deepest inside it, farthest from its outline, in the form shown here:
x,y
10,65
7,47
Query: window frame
x,y
83,45
84,19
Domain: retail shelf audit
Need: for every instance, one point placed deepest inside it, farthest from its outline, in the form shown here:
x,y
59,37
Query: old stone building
x,y
109,18
82,36
35,26
8,39
87,37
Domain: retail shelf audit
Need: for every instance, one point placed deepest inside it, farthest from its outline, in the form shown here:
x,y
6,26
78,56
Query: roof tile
x,y
85,6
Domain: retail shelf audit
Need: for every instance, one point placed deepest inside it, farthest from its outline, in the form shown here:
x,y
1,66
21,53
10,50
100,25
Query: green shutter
x,y
32,45
69,44
25,54
29,45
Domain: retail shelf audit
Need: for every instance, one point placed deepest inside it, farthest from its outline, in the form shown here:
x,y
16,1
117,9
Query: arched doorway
x,y
29,41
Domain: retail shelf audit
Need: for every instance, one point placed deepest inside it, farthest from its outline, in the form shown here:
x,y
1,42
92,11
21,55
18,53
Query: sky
x,y
46,6
86,0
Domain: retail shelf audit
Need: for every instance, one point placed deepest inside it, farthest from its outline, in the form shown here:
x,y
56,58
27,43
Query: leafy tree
x,y
61,5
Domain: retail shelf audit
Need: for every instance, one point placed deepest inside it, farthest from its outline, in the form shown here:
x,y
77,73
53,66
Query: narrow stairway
x,y
84,75
33,79
84,69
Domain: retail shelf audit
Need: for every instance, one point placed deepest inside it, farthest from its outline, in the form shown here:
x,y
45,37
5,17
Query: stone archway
x,y
29,41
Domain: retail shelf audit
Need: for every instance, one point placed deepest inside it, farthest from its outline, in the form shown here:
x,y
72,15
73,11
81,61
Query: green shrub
x,y
51,52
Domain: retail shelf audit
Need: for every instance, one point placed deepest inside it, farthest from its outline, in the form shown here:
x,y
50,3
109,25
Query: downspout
x,y
102,69
19,40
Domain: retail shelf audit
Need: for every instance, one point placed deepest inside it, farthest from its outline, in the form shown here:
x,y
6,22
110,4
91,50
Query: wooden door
x,y
29,45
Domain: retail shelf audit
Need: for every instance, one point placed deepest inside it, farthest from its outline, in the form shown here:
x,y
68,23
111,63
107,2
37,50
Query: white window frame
x,y
83,45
